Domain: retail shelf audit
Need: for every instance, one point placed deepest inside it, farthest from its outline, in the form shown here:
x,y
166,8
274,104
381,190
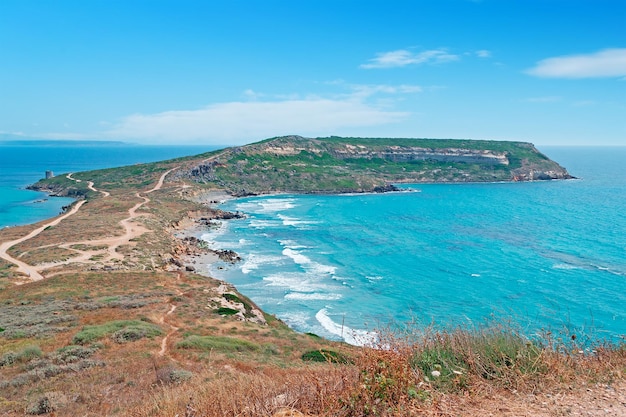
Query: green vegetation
x,y
324,355
121,331
332,165
28,353
339,165
218,343
225,311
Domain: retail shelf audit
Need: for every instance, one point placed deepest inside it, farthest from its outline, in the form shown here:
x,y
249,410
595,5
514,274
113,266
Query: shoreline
x,y
197,259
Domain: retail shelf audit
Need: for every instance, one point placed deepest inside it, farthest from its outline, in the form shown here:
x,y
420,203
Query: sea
x,y
539,256
25,162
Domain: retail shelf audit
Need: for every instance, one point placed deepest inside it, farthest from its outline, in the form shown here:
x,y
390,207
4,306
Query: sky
x,y
230,72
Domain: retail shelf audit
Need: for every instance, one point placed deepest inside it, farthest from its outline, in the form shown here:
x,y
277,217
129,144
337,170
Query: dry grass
x,y
404,376
256,392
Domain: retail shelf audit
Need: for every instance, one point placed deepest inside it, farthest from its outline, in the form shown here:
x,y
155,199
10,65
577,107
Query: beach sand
x,y
198,259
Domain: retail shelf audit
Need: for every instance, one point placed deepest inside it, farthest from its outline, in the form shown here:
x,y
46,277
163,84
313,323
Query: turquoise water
x,y
549,255
24,164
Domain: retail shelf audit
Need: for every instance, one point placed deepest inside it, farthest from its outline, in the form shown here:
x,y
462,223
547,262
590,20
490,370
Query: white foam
x,y
254,260
292,221
312,296
296,282
262,224
266,206
278,204
306,263
296,319
211,235
564,266
297,257
349,335
291,244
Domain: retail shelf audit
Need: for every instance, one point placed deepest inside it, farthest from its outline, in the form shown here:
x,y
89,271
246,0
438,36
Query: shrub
x,y
324,355
171,375
131,330
73,353
42,406
30,352
27,354
225,311
133,333
8,358
220,343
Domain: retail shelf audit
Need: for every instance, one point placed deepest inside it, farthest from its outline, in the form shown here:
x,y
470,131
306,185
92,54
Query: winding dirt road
x,y
131,231
23,267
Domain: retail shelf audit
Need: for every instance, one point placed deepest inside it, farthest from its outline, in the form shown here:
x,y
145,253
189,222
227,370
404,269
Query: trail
x,y
131,231
173,330
23,267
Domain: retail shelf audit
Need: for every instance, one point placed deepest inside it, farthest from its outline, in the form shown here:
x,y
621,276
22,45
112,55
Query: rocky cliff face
x,y
411,154
334,165
393,153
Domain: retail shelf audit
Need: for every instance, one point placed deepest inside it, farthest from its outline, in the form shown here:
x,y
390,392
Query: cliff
x,y
335,165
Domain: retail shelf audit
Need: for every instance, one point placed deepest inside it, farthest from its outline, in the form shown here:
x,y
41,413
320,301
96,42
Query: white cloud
x,y
242,122
403,57
604,63
364,91
483,53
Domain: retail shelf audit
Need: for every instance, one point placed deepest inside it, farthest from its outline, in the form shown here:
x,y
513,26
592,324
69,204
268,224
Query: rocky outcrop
x,y
411,154
356,165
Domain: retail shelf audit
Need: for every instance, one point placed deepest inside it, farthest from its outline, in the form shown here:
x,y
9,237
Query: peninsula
x,y
103,311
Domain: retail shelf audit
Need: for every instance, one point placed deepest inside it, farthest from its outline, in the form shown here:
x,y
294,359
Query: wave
x,y
262,224
349,335
373,278
292,221
564,266
572,264
267,206
292,244
298,282
313,296
306,263
254,260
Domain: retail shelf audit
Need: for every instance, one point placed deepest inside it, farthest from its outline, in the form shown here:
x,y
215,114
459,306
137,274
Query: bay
x,y
547,256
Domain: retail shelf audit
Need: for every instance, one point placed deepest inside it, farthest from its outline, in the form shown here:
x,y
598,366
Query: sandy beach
x,y
190,231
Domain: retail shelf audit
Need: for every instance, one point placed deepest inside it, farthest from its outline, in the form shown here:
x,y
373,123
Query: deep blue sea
x,y
23,164
546,255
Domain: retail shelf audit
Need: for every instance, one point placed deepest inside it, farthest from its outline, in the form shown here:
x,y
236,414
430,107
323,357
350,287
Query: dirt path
x,y
131,231
23,267
173,330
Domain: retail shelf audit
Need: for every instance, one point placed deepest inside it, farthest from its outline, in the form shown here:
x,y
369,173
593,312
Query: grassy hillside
x,y
335,165
331,165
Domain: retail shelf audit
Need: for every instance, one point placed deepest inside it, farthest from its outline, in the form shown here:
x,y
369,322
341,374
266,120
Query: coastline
x,y
190,230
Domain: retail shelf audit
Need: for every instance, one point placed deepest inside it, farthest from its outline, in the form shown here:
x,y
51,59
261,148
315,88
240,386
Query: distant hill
x,y
337,165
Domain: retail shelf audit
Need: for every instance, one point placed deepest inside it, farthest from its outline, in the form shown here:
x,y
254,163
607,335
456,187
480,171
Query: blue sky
x,y
551,72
